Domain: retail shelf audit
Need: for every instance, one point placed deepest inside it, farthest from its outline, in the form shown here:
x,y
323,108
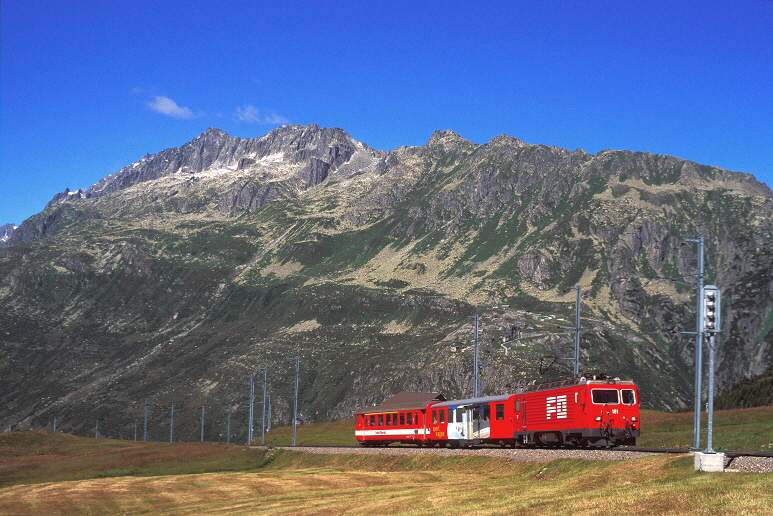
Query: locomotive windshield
x,y
605,396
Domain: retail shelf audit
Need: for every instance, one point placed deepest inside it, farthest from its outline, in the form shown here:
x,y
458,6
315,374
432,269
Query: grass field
x,y
45,473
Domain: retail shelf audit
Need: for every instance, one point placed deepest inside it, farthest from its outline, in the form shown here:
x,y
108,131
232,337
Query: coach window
x,y
487,413
459,412
410,418
450,415
605,396
434,417
381,420
628,396
372,420
402,418
394,419
500,411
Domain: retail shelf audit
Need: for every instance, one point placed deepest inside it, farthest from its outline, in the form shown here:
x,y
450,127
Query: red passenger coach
x,y
403,418
592,410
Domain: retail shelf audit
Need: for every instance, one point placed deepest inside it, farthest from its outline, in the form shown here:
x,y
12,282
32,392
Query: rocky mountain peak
x,y
505,140
212,134
446,137
321,150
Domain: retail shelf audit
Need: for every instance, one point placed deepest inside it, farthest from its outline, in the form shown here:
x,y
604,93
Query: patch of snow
x,y
213,172
277,157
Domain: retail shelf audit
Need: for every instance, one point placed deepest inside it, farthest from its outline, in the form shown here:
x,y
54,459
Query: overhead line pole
x,y
252,410
475,372
295,398
698,345
263,418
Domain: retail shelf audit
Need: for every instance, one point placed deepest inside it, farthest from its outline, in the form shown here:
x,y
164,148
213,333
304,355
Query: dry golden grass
x,y
46,473
295,483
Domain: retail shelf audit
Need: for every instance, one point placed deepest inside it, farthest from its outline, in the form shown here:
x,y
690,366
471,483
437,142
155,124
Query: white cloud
x,y
252,115
273,118
167,106
248,114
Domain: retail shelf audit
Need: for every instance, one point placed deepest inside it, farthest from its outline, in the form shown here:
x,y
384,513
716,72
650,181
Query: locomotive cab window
x,y
628,396
442,416
500,411
605,396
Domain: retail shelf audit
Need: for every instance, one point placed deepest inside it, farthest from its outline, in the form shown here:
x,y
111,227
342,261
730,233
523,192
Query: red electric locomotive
x,y
593,410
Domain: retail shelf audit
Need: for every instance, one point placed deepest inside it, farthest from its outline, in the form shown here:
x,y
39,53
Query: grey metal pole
x,y
577,334
96,431
54,424
475,372
252,410
202,423
263,419
698,346
268,426
295,404
710,408
145,427
171,425
135,428
228,436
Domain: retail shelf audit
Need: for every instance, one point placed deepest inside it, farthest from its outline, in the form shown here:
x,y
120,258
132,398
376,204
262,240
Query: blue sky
x,y
89,87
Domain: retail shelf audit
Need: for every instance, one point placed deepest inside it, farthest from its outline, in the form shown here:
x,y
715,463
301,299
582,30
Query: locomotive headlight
x,y
597,419
634,419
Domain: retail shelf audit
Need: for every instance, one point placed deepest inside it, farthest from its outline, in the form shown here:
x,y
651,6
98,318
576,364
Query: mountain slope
x,y
177,276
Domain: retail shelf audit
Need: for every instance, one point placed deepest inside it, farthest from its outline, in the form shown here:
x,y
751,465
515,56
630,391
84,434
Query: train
x,y
592,410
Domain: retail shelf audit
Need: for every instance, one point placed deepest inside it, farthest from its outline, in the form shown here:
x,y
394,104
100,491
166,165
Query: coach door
x,y
460,423
467,421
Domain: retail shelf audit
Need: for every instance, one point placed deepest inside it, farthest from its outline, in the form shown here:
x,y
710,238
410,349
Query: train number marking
x,y
555,406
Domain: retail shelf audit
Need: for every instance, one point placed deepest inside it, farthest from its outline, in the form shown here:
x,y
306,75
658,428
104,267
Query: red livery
x,y
592,410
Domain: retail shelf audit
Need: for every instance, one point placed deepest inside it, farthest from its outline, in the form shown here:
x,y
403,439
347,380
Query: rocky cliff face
x,y
181,273
314,152
6,230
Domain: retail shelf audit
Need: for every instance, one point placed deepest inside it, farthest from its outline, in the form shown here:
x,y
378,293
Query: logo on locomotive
x,y
555,406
